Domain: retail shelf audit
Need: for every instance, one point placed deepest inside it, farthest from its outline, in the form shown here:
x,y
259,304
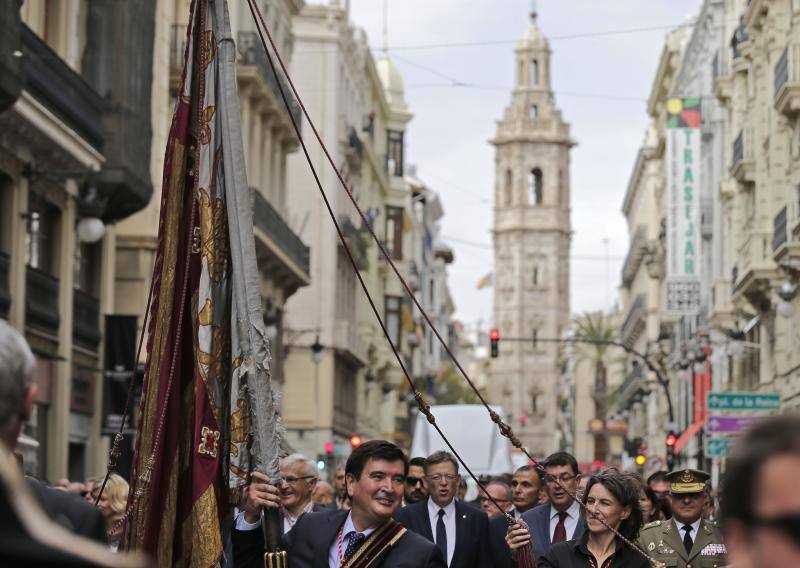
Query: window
x,y
393,319
394,231
535,186
43,226
394,152
508,188
534,112
535,275
535,337
534,72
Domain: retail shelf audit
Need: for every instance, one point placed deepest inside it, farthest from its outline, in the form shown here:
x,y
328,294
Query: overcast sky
x,y
601,82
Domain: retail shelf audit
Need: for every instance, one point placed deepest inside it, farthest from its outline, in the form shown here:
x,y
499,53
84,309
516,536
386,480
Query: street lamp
x,y
787,293
316,351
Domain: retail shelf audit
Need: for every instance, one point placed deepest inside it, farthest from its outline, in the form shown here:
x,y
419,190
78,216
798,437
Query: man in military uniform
x,y
687,540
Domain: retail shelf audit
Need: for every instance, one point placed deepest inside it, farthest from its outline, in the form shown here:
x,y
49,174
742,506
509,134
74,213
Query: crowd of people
x,y
383,509
608,518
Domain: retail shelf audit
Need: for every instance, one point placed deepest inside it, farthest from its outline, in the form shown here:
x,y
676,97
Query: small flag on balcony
x,y
485,281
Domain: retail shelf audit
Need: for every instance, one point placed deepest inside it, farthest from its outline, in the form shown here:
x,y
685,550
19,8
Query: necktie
x,y
356,539
560,534
441,535
687,538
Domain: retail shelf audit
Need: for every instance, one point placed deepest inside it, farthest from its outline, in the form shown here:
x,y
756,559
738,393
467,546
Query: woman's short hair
x,y
625,488
116,492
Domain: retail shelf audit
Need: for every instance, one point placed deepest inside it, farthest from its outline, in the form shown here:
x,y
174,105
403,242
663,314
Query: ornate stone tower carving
x,y
531,247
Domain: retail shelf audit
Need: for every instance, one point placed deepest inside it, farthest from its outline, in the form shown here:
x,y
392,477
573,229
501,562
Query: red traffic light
x,y
329,447
494,334
355,440
671,439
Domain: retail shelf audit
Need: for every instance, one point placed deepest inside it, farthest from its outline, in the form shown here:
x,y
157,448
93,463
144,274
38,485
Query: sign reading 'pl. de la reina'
x,y
743,401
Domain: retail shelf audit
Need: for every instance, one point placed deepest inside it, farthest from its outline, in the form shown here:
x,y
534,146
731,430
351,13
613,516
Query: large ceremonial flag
x,y
207,357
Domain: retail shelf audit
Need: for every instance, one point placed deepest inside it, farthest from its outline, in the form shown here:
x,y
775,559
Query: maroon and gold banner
x,y
179,488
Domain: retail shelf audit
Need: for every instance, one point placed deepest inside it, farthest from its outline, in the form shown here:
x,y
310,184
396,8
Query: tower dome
x,y
392,82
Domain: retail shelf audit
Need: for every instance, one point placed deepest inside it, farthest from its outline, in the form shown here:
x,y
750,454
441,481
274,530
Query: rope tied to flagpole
x,y
505,429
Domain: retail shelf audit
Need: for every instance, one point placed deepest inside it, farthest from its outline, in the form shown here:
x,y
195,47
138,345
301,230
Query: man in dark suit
x,y
525,488
461,531
17,394
366,536
561,518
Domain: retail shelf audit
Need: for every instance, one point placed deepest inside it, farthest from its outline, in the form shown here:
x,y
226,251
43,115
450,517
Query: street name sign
x,y
729,424
743,401
718,447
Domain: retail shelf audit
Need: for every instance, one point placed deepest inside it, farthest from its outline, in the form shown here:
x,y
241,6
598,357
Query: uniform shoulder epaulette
x,y
651,525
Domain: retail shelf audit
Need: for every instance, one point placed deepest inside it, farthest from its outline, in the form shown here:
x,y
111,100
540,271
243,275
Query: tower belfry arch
x,y
532,234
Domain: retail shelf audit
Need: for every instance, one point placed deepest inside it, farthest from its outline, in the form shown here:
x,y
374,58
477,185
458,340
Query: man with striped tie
x,y
366,536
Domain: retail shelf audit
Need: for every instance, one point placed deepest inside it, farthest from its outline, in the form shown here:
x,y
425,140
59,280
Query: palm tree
x,y
596,331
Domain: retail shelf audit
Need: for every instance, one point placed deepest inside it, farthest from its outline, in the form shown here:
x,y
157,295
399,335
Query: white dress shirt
x,y
449,524
348,529
570,522
288,519
693,533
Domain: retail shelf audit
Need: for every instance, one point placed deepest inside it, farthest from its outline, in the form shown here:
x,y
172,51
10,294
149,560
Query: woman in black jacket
x,y
613,496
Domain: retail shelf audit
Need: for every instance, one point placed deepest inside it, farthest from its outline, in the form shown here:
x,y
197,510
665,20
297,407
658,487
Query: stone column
x,y
58,416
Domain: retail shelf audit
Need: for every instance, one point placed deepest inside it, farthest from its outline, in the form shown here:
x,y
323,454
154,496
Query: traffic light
x,y
641,459
329,448
670,443
355,440
494,338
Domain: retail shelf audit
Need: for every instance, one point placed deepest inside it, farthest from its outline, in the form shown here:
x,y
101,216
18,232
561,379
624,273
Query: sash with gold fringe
x,y
376,544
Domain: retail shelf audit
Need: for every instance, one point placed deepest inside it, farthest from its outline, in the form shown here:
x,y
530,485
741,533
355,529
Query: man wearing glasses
x,y
415,489
687,539
560,519
500,493
298,479
760,509
459,530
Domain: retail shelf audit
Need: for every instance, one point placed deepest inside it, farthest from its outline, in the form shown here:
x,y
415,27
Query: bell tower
x,y
531,247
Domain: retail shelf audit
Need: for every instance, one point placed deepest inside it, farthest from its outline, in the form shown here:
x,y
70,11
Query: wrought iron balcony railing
x,y
266,218
85,320
5,289
41,300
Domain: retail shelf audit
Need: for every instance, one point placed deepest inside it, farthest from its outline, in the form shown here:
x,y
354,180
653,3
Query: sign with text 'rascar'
x,y
729,424
743,401
683,165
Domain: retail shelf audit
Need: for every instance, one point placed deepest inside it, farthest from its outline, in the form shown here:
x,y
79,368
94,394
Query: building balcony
x,y
5,288
278,248
636,252
754,273
633,387
355,149
254,68
61,90
347,341
41,301
721,312
743,167
634,321
11,79
787,81
85,320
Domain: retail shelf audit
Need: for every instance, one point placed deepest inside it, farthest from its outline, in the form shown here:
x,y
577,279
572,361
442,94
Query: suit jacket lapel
x,y
702,539
674,540
544,527
424,518
335,521
461,532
